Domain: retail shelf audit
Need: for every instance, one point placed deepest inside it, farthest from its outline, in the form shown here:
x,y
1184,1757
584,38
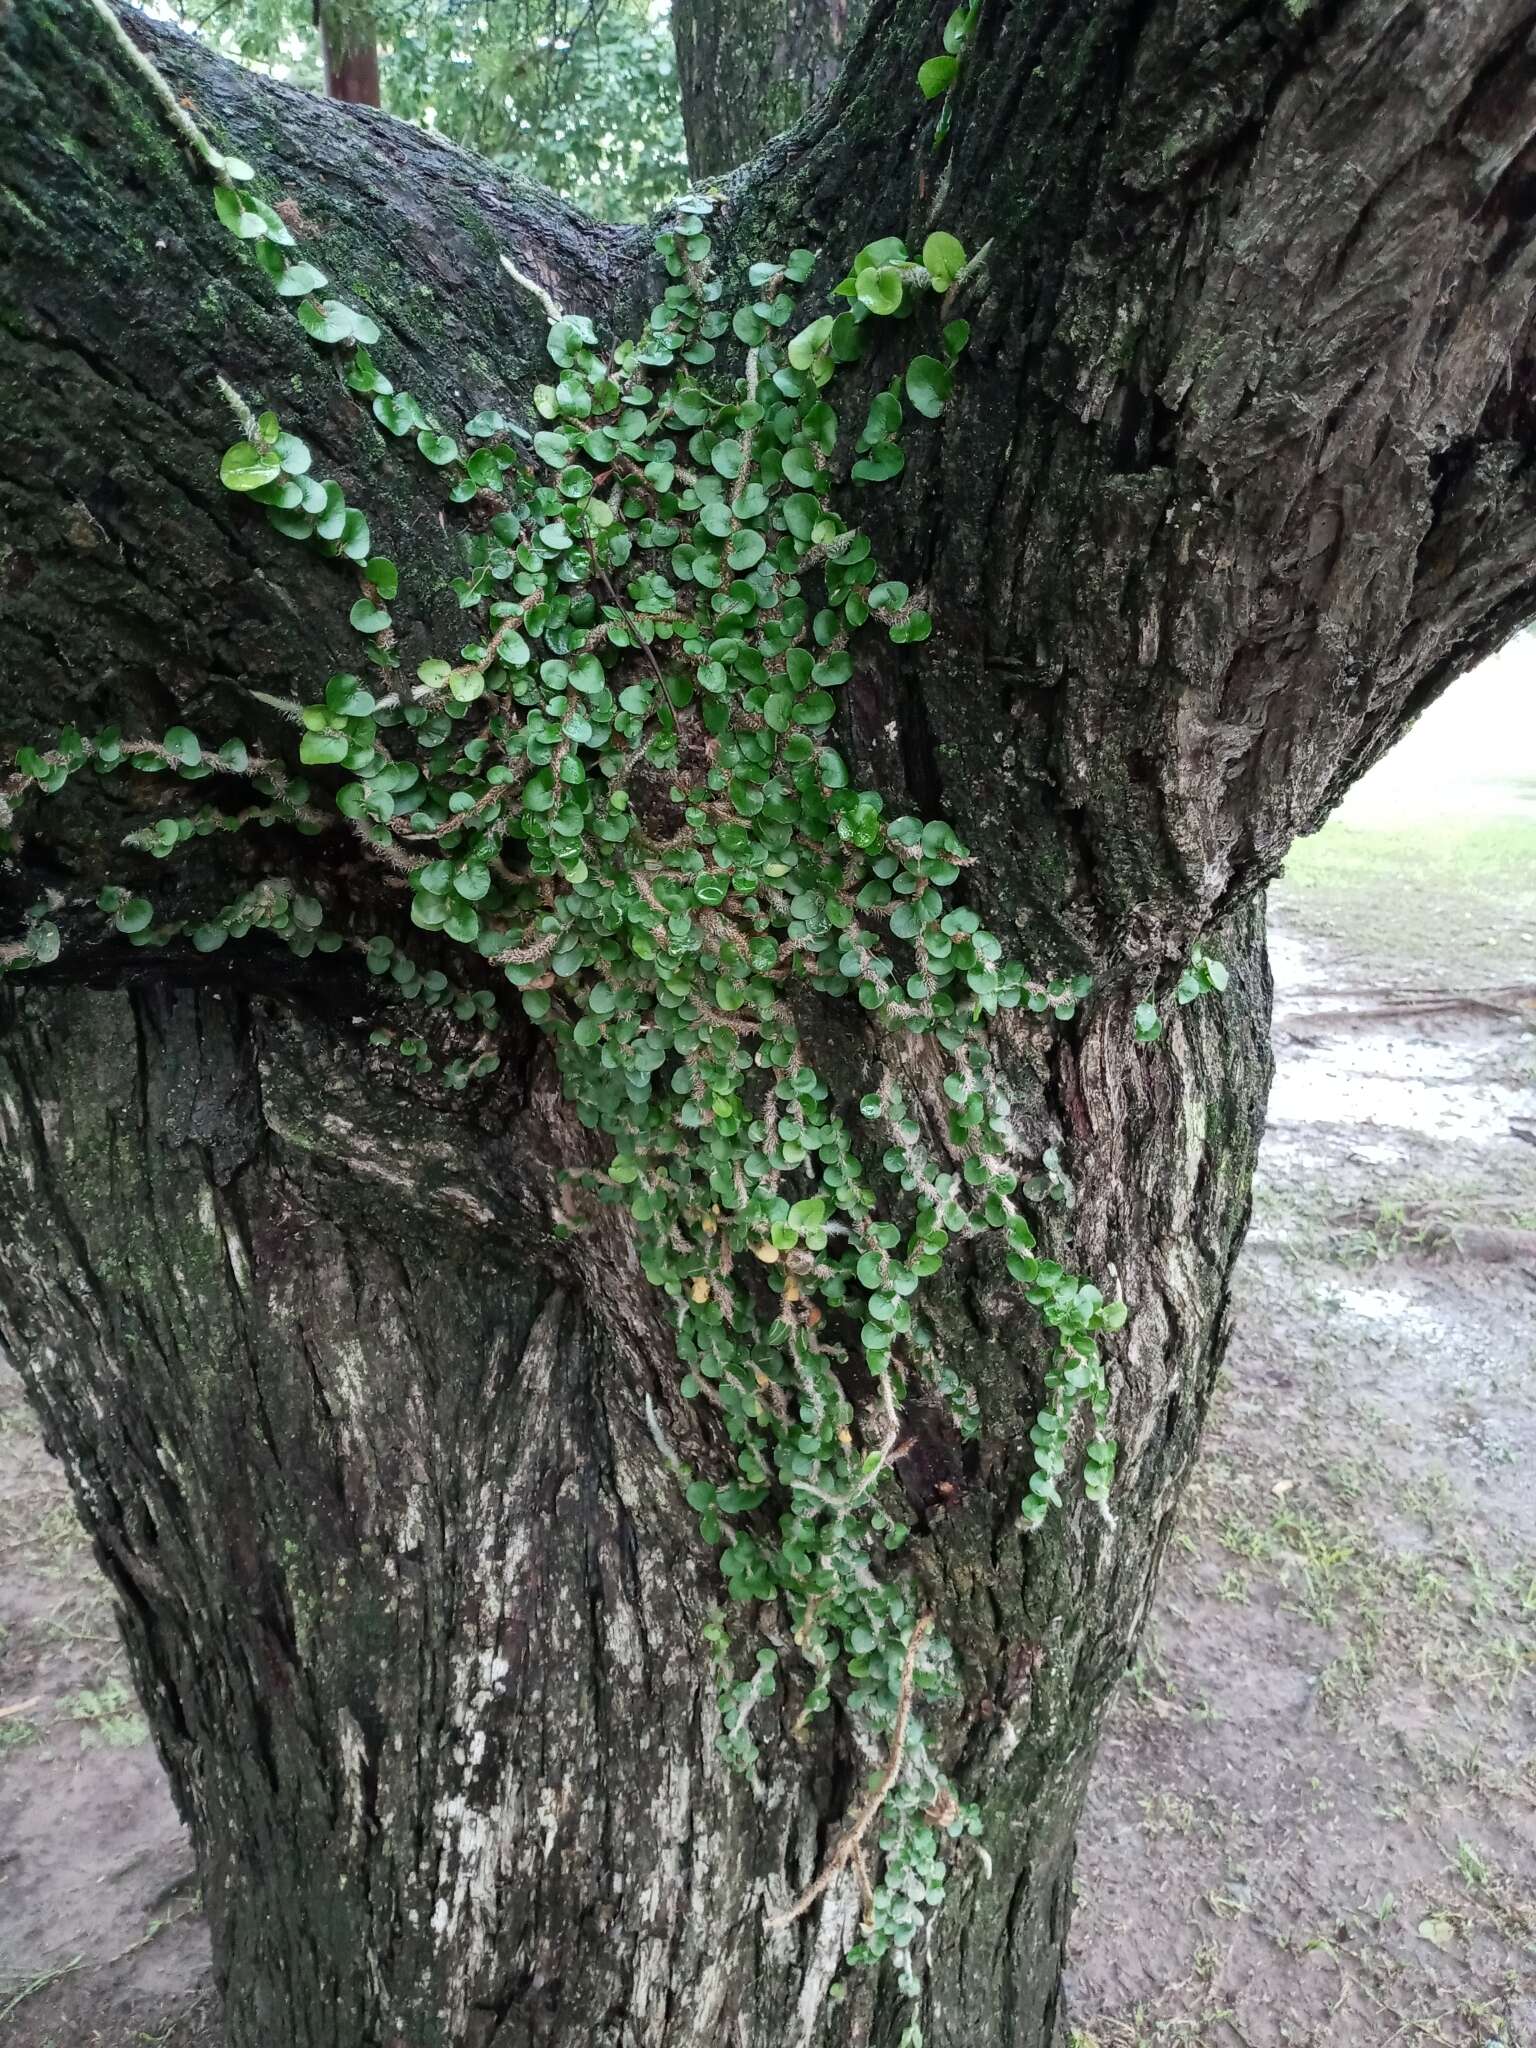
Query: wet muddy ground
x,y
1314,1820
1315,1816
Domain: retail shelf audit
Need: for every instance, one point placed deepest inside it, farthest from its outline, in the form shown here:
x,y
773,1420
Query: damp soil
x,y
1314,1820
1314,1816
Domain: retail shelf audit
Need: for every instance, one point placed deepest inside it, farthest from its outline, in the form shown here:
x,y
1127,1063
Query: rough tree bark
x,y
1236,481
749,69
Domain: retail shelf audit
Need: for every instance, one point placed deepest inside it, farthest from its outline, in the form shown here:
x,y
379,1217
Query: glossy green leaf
x,y
246,467
943,259
937,76
439,449
929,384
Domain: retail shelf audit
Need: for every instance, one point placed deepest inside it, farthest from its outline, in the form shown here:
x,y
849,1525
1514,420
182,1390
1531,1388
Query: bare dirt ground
x,y
1314,1819
100,1942
1315,1816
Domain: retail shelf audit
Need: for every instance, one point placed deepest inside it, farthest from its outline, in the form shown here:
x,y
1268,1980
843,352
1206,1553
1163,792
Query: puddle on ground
x,y
1454,1089
1387,1305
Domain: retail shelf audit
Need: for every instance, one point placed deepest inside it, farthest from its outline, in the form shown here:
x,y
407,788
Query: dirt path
x,y
1316,1817
1315,1814
100,1940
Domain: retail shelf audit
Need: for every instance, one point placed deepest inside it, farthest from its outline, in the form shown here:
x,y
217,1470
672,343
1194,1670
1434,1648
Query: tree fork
x,y
1236,481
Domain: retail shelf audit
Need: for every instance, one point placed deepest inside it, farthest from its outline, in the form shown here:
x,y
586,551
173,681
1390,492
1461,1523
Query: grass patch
x,y
108,1717
17,1733
17,1987
1439,1617
1436,902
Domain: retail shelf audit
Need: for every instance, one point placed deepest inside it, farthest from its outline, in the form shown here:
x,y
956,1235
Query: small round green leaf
x,y
246,467
322,749
937,76
879,288
929,384
439,449
300,280
943,259
134,915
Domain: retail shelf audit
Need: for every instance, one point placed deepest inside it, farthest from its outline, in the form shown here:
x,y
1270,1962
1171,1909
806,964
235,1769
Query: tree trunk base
x,y
415,1609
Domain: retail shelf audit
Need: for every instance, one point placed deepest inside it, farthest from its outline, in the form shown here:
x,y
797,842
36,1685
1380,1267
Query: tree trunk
x,y
413,1606
349,51
1233,483
749,69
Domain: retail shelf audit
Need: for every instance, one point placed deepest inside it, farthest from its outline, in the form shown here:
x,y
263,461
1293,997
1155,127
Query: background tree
x,y
349,51
1234,482
580,94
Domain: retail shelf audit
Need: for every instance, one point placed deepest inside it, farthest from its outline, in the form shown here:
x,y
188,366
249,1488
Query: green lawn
x,y
1446,900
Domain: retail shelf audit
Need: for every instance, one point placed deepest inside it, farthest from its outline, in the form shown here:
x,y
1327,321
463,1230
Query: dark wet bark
x,y
1235,482
748,69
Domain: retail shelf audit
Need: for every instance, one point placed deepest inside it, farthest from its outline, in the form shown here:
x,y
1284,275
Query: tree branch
x,y
1230,491
135,590
1233,483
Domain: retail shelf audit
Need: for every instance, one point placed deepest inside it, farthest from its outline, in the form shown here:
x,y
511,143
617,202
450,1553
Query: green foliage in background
x,y
579,94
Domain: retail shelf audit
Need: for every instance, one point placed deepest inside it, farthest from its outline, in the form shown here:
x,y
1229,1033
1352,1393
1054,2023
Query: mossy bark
x,y
1234,482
